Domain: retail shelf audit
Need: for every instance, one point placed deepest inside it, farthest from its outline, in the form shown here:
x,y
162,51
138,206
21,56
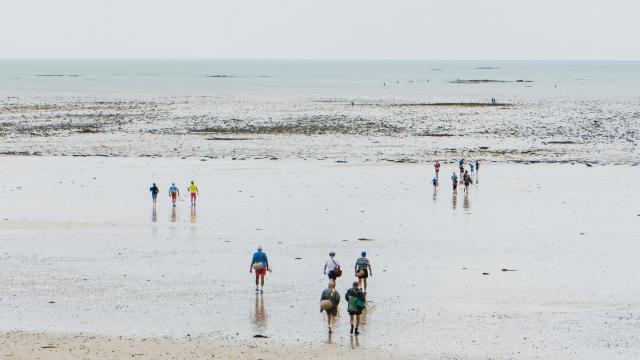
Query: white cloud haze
x,y
333,29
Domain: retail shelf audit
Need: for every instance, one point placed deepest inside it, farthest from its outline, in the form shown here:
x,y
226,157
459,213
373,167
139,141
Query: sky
x,y
321,29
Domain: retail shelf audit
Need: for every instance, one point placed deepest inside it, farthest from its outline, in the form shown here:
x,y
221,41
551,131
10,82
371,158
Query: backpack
x,y
337,272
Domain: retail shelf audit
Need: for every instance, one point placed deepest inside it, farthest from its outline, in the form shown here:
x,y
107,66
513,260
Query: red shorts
x,y
174,196
262,271
193,196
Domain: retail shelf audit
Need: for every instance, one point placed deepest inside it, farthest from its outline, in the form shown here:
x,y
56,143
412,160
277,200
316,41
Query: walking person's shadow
x,y
259,318
174,214
193,214
154,214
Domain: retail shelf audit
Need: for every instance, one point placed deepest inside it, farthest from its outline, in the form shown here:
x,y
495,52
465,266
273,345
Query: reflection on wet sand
x,y
455,200
355,343
465,203
154,214
193,214
259,318
174,214
435,193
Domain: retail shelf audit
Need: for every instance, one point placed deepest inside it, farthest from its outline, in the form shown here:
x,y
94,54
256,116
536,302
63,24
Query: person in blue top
x,y
174,193
461,165
260,264
154,193
434,181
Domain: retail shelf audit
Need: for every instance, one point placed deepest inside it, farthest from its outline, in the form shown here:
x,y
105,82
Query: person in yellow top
x,y
193,190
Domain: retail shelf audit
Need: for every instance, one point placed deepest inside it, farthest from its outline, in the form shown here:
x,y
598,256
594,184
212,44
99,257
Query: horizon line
x,y
302,59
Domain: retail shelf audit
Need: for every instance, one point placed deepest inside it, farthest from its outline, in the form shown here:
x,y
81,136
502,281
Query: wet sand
x,y
83,252
72,347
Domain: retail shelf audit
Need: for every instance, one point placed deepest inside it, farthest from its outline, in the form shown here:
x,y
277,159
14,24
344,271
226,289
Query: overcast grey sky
x,y
335,29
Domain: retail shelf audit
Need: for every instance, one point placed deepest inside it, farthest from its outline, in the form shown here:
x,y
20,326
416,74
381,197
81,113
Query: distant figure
x,y
477,171
174,193
471,169
363,270
437,166
434,181
154,193
260,264
355,304
461,165
329,301
332,268
193,190
467,181
493,100
454,181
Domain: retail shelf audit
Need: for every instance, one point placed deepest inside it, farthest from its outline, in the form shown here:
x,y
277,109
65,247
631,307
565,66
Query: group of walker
x,y
174,193
466,176
330,298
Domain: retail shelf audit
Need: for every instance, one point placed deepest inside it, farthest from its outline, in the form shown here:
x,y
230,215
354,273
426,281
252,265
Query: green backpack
x,y
355,304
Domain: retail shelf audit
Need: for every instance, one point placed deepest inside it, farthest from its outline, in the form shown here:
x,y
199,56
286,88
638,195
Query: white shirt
x,y
331,265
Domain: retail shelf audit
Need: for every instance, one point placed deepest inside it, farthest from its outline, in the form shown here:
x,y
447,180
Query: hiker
x,y
355,305
454,181
437,166
467,181
154,193
193,190
260,264
329,301
332,268
363,270
174,192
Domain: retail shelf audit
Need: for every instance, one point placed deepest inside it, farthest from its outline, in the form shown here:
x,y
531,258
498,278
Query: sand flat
x,y
569,231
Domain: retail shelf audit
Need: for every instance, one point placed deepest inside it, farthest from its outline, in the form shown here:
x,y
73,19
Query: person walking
x,y
332,268
434,182
461,166
477,171
154,193
467,181
329,301
471,170
193,190
174,192
355,305
437,166
259,263
454,181
363,270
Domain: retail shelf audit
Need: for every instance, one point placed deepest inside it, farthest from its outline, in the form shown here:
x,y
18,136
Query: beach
x,y
537,261
394,111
